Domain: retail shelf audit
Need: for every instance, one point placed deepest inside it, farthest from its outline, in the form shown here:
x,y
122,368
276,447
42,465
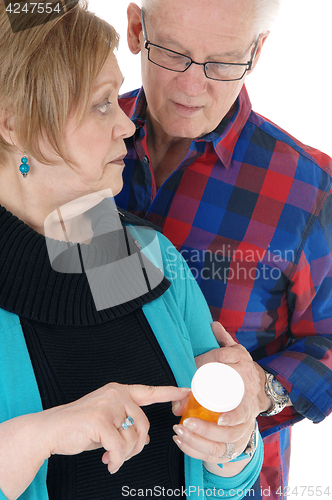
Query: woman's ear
x,y
134,28
7,126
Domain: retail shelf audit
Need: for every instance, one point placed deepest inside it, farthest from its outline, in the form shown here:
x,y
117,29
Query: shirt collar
x,y
224,137
139,109
225,142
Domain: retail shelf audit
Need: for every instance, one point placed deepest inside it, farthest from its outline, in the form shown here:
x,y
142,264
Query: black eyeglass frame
x,y
247,64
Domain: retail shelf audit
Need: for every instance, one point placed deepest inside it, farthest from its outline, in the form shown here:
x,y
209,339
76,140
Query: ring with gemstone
x,y
230,451
128,422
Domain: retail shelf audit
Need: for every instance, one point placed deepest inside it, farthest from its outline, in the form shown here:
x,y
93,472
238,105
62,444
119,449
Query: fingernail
x,y
185,389
222,420
176,406
190,424
147,440
178,430
115,471
177,440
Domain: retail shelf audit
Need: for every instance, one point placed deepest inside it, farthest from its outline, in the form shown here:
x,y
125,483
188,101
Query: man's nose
x,y
193,81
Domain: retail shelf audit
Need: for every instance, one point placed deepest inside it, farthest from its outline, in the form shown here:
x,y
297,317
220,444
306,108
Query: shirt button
x,y
145,159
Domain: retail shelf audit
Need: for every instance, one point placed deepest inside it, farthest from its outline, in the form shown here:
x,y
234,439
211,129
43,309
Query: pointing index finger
x,y
144,395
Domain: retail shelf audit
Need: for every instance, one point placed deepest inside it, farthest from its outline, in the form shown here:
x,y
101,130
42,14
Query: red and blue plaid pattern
x,y
250,209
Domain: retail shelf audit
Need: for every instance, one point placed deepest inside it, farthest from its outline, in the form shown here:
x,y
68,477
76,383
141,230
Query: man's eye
x,y
174,56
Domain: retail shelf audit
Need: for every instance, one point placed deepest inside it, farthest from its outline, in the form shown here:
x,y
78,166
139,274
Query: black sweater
x,y
76,349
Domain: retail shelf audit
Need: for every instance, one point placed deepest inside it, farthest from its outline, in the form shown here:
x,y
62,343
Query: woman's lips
x,y
187,110
118,161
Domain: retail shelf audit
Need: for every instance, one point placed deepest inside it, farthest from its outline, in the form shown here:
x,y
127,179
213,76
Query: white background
x,y
292,87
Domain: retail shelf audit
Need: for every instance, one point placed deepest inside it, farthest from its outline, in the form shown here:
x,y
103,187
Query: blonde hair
x,y
265,12
47,73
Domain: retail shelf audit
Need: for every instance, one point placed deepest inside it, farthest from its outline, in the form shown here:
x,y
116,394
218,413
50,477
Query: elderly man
x,y
247,205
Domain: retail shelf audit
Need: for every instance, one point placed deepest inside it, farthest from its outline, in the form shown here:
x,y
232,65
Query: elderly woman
x,y
77,359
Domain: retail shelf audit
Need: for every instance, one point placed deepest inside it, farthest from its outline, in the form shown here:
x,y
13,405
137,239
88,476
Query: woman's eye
x,y
103,107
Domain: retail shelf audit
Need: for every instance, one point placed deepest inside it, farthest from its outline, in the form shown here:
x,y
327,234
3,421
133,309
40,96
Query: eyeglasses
x,y
174,61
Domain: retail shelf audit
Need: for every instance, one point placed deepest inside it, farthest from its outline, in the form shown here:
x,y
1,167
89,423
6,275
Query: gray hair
x,y
265,12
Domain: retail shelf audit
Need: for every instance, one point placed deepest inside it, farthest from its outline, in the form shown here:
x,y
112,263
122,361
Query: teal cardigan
x,y
180,320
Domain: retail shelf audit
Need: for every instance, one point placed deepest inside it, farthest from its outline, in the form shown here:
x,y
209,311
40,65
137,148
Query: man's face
x,y
189,105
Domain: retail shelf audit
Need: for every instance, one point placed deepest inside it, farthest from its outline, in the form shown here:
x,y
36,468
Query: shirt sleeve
x,y
305,367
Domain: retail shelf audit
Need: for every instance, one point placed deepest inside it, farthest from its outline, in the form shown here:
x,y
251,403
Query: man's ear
x,y
134,28
7,126
262,40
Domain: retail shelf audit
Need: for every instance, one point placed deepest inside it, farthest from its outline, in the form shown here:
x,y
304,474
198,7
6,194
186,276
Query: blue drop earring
x,y
24,167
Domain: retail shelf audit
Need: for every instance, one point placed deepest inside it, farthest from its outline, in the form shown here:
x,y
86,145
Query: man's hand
x,y
235,355
207,440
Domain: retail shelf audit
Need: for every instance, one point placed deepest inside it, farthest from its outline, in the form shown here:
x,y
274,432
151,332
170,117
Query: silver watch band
x,y
278,401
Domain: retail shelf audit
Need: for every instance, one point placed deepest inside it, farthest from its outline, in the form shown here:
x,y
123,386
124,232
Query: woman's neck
x,y
16,194
25,199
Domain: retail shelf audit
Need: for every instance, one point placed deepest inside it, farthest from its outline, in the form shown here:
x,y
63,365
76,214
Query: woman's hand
x,y
95,421
91,422
207,441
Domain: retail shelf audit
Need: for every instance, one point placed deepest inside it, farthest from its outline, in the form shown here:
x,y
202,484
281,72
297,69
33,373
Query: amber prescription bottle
x,y
215,388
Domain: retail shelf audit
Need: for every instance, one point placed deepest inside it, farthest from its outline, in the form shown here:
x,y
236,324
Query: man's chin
x,y
185,130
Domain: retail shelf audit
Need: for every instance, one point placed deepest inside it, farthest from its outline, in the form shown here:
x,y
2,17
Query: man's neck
x,y
166,152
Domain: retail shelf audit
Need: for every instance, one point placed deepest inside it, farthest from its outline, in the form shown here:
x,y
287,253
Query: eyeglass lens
x,y
178,62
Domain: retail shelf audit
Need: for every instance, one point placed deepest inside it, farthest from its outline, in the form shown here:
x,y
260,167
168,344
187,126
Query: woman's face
x,y
96,146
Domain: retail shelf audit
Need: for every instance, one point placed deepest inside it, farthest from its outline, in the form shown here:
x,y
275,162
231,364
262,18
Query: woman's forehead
x,y
110,75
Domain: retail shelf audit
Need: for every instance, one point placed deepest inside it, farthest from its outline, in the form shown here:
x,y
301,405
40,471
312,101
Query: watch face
x,y
278,388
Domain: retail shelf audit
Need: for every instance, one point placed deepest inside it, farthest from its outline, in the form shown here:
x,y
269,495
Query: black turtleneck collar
x,y
31,288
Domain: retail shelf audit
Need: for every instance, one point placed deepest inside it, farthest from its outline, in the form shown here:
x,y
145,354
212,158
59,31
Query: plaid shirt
x,y
250,209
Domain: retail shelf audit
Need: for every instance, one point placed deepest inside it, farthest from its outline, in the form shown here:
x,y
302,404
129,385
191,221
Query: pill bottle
x,y
215,388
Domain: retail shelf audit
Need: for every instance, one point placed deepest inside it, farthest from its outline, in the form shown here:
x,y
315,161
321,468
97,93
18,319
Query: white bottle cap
x,y
217,387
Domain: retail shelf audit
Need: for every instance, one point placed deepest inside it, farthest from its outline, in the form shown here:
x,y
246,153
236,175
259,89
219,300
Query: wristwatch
x,y
277,393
